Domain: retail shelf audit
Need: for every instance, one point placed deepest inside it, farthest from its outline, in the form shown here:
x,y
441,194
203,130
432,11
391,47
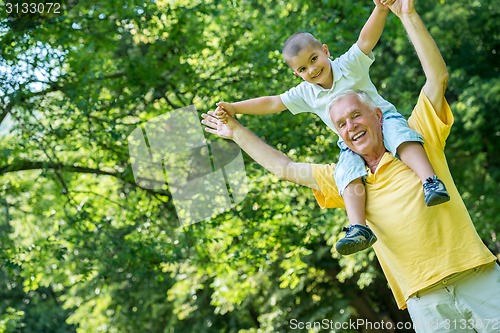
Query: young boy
x,y
323,80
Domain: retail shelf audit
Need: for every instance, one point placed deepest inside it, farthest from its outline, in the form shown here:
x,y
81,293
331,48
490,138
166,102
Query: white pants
x,y
464,302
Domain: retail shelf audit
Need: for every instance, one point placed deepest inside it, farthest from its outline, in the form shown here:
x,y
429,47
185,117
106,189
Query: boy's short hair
x,y
297,42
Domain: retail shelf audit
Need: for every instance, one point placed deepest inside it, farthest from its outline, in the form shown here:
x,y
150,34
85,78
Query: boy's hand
x,y
382,4
216,126
224,110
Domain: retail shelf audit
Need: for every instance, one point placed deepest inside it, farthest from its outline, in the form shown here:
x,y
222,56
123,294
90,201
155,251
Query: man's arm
x,y
270,158
373,28
427,51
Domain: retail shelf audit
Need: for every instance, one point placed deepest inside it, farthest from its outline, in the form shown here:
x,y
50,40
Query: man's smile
x,y
357,136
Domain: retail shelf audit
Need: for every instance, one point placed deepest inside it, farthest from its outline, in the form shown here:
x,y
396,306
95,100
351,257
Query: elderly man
x,y
433,258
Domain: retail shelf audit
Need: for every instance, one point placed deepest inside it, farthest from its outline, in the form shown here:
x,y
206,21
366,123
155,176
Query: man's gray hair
x,y
361,95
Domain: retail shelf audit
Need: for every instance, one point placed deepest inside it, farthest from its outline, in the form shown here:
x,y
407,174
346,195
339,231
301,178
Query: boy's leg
x,y
414,156
401,140
358,236
355,200
349,172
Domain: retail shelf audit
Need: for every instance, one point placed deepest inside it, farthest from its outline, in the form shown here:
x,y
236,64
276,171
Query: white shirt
x,y
350,71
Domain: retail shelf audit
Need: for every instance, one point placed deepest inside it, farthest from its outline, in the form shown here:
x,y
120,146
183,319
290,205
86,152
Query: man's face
x,y
312,65
358,125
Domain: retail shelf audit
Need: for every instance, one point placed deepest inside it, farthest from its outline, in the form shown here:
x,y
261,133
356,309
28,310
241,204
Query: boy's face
x,y
312,64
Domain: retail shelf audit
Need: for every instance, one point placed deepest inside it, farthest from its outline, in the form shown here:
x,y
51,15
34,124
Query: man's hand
x,y
218,127
402,7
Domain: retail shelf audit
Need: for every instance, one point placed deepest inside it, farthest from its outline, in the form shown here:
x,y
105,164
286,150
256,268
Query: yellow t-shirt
x,y
417,245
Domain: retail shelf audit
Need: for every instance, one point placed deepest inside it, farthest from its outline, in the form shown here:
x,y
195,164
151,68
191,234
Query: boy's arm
x,y
374,26
256,106
270,158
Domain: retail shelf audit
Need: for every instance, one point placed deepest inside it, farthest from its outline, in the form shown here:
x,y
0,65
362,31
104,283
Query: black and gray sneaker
x,y
357,238
435,192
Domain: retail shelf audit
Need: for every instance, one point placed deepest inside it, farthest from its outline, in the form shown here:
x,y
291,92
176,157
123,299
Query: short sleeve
x,y
355,61
328,195
425,121
294,100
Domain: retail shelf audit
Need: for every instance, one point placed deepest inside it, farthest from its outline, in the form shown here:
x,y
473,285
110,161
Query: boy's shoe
x,y
435,192
357,238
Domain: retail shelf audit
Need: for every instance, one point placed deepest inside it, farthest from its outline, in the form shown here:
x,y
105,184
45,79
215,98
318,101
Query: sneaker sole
x,y
437,200
346,248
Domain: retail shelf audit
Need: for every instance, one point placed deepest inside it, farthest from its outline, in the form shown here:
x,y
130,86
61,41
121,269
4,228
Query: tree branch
x,y
26,165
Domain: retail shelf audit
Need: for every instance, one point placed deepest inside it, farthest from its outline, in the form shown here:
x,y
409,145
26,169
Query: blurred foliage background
x,y
84,249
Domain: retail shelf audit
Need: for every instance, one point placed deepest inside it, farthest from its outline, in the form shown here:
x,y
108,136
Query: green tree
x,y
85,249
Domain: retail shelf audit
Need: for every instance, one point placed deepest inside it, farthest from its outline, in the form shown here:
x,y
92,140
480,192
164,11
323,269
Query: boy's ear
x,y
325,49
295,73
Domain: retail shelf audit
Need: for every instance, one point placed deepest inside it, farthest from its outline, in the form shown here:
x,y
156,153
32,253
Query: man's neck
x,y
373,160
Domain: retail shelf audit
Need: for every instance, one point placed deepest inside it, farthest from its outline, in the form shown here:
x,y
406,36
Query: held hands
x,y
216,126
398,7
401,7
224,110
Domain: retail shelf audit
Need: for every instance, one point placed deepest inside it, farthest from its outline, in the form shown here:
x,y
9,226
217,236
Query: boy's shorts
x,y
351,166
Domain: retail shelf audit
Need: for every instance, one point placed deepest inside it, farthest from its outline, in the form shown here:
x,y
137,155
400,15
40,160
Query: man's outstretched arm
x,y
428,53
270,158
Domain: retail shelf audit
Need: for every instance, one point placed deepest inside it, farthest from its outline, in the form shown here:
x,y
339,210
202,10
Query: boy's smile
x,y
312,64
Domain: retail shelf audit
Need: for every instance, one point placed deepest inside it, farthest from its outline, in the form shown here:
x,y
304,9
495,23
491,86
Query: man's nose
x,y
351,125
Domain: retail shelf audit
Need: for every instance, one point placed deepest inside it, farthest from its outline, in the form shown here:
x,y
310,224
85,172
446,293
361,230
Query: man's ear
x,y
325,49
380,117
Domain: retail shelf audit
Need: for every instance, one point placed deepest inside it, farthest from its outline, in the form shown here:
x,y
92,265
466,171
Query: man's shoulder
x,y
425,120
